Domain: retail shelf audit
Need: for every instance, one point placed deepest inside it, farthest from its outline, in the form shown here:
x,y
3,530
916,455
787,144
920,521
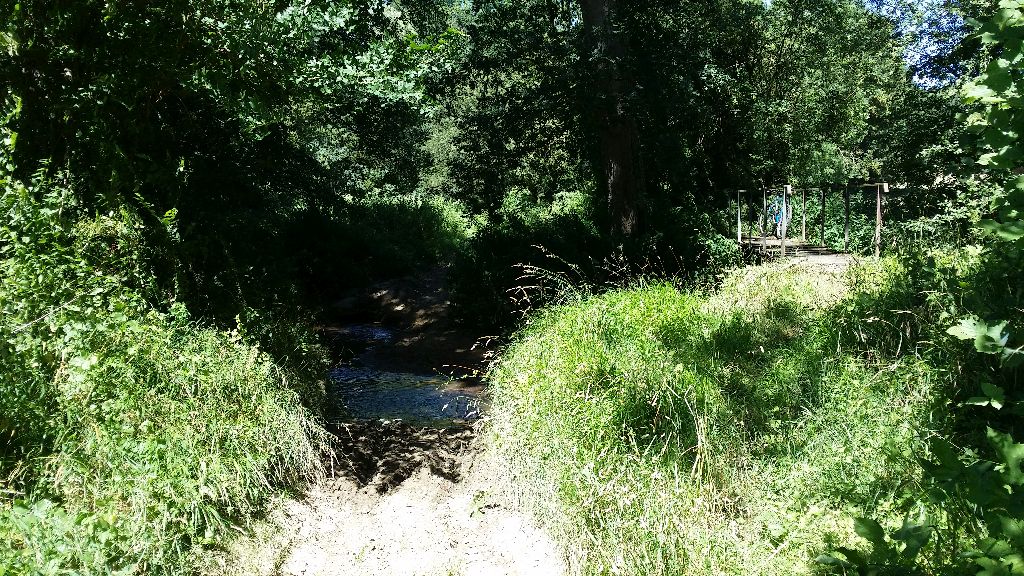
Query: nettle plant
x,y
1000,119
994,487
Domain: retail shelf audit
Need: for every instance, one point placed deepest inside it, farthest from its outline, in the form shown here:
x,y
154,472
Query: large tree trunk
x,y
618,138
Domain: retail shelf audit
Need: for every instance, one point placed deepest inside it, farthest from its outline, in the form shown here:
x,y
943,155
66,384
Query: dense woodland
x,y
187,185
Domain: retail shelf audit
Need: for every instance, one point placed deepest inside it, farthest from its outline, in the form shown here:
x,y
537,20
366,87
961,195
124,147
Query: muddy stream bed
x,y
364,386
407,390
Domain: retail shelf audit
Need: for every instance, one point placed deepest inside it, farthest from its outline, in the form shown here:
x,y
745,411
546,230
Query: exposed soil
x,y
402,499
428,525
383,454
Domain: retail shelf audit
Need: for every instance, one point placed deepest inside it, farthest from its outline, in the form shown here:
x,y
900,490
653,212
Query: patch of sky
x,y
932,29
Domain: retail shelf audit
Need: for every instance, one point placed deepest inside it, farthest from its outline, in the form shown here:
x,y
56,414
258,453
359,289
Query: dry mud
x,y
403,502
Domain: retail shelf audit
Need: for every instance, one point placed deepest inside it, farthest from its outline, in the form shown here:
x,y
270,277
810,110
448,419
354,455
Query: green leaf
x,y
995,394
991,567
967,329
987,339
854,557
1012,529
914,536
1011,454
1013,230
871,531
974,91
830,560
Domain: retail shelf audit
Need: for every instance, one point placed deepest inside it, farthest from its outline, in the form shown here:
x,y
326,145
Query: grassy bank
x,y
130,433
737,432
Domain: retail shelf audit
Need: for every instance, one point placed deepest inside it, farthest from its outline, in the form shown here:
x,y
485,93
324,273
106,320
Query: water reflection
x,y
372,392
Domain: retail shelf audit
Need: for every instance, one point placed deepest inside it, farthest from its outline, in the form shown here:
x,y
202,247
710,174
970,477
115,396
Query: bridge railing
x,y
746,198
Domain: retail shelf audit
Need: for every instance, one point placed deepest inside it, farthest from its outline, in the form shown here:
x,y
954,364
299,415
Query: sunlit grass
x,y
169,433
659,432
132,436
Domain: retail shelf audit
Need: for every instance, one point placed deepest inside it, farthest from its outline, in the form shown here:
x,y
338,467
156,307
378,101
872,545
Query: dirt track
x,y
401,500
412,503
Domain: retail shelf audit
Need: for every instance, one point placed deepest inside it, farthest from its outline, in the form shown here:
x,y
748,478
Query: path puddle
x,y
361,391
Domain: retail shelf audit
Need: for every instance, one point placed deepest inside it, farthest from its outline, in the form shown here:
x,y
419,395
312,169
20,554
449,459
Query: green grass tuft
x,y
692,433
130,437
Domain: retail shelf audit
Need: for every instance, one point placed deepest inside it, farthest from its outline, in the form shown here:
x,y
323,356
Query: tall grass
x,y
129,435
662,432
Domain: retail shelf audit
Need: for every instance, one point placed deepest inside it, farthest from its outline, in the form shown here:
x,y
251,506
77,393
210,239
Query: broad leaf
x,y
1011,454
914,536
996,395
871,531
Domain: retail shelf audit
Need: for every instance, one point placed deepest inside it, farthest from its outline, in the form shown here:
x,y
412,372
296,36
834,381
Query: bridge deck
x,y
797,249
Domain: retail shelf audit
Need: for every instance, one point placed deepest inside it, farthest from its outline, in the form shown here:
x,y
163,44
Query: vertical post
x,y
846,221
803,215
823,214
751,210
764,221
786,191
879,191
739,219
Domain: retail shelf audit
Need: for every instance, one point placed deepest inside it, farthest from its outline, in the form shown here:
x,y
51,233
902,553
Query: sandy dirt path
x,y
427,525
401,500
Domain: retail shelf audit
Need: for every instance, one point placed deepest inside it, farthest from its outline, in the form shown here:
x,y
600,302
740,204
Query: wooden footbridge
x,y
752,232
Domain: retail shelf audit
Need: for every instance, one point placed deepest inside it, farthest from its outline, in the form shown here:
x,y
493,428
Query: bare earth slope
x,y
427,526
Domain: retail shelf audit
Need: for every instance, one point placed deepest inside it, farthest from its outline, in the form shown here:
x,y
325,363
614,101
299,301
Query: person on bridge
x,y
775,213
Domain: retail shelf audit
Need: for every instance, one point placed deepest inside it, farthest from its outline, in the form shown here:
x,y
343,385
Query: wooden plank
x,y
764,221
786,191
879,191
739,218
750,207
822,218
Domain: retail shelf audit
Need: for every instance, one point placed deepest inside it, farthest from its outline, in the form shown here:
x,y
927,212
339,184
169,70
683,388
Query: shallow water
x,y
359,391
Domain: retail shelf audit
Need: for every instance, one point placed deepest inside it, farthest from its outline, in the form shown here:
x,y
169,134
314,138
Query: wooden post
x,y
786,191
803,215
846,221
823,215
746,210
764,221
750,204
879,192
739,219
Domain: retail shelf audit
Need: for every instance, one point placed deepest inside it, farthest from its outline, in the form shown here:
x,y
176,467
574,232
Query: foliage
x,y
205,175
999,120
527,260
692,433
247,121
129,435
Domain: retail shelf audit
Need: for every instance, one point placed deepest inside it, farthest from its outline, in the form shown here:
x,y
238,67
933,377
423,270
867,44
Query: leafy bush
x,y
368,239
129,435
973,483
486,278
530,257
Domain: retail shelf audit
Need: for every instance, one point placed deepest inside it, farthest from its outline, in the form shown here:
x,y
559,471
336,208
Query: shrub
x,y
526,259
130,435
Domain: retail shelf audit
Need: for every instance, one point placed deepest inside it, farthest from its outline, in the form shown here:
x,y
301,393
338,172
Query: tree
x,y
618,138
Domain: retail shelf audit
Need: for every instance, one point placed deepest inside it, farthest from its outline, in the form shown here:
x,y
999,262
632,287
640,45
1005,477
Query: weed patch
x,y
700,433
130,435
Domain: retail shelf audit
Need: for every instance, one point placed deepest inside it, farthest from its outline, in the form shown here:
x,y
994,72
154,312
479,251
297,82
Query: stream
x,y
360,389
